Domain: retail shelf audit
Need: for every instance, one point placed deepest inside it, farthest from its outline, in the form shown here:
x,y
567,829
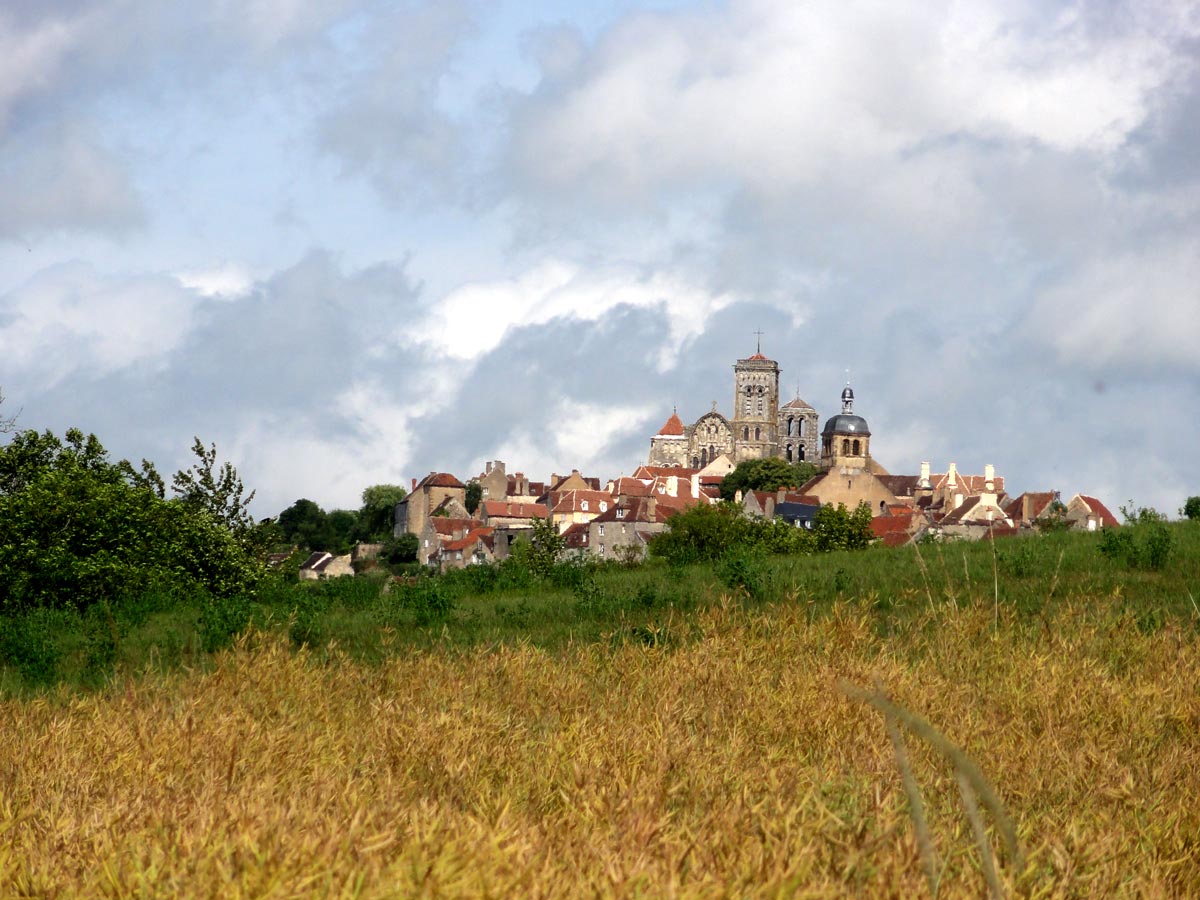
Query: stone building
x,y
434,490
760,427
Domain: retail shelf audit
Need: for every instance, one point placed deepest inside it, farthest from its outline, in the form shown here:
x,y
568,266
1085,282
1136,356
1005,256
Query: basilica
x,y
762,427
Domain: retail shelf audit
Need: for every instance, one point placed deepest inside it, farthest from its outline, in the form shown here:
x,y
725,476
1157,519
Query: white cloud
x,y
473,319
71,320
779,94
224,280
1132,308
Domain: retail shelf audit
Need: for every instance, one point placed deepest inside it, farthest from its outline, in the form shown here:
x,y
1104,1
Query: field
x,y
707,732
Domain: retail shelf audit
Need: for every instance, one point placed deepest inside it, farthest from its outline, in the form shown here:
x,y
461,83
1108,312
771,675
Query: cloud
x,y
1136,308
71,320
475,318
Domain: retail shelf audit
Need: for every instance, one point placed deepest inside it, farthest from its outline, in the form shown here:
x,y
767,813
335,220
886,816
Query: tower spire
x,y
758,344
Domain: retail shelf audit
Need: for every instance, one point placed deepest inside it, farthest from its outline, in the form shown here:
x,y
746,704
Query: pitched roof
x,y
507,509
630,487
572,501
663,472
797,404
476,535
1039,502
1107,519
901,485
448,525
673,427
440,479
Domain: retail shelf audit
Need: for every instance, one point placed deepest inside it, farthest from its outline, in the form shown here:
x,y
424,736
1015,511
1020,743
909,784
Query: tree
x,y
474,496
77,529
7,423
836,528
216,491
376,518
402,549
768,474
306,525
1191,509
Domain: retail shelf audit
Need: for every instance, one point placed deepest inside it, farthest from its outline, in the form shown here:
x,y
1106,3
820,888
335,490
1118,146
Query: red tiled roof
x,y
505,509
757,356
663,472
673,427
1039,501
1107,519
446,525
630,487
569,501
440,479
477,534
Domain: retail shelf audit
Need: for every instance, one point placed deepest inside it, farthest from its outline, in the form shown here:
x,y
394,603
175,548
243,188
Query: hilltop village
x,y
685,467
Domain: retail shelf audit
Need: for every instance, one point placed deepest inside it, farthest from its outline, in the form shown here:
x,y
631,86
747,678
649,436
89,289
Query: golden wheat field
x,y
729,762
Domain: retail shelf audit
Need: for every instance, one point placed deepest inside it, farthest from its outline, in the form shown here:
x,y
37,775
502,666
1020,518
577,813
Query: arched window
x,y
758,434
712,452
746,433
845,446
788,453
696,463
856,448
791,427
800,454
800,428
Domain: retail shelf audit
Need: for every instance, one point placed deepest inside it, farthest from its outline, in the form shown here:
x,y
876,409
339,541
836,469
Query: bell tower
x,y
755,406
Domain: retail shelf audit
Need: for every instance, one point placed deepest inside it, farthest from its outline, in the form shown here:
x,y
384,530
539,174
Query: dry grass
x,y
729,764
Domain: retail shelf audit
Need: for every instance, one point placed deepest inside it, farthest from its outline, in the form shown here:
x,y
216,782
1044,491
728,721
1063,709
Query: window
x,y
583,505
791,427
856,448
758,432
800,453
601,532
620,513
746,433
845,446
788,453
603,506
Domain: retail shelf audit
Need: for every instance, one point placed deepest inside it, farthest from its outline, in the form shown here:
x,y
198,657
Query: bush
x,y
1191,508
27,644
1144,542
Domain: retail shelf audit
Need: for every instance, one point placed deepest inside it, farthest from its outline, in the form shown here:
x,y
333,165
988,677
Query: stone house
x,y
1089,514
434,490
321,565
627,524
472,550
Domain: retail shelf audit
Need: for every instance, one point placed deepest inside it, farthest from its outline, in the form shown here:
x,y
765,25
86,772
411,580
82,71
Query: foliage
x,y
541,551
1191,508
836,528
376,518
767,474
702,533
400,550
343,525
80,530
217,491
6,422
305,524
474,495
1144,542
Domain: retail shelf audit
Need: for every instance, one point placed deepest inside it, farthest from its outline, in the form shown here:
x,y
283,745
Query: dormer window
x,y
583,505
603,507
620,513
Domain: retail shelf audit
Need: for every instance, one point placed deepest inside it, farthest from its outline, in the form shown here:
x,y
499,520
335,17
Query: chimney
x,y
695,485
924,482
487,468
952,476
672,486
651,503
989,478
414,486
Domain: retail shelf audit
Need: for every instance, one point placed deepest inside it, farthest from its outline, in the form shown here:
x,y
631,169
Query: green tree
x,y
7,423
541,551
474,496
402,549
768,474
305,524
216,490
836,528
704,532
1191,509
343,525
376,518
77,529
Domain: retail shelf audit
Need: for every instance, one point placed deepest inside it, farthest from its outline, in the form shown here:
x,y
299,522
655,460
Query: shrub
x,y
1144,542
27,644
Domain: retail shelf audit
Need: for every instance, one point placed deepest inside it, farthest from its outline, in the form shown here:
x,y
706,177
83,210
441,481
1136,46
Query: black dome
x,y
846,424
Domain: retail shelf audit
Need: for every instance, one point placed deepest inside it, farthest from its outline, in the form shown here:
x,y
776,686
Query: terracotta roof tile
x,y
440,479
673,427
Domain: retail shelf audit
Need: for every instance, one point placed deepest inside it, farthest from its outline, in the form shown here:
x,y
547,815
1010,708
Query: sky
x,y
350,242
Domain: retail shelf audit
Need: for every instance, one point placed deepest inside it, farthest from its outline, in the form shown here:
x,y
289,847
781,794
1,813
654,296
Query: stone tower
x,y
756,407
798,423
846,439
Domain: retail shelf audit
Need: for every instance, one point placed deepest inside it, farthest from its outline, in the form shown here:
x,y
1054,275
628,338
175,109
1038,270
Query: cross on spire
x,y
759,346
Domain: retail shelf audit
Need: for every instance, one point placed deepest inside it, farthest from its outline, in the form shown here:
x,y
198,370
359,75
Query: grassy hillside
x,y
707,745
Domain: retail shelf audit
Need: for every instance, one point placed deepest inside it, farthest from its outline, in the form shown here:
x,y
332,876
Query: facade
x,y
760,426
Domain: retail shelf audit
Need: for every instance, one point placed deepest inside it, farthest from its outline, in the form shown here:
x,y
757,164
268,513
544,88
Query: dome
x,y
846,424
